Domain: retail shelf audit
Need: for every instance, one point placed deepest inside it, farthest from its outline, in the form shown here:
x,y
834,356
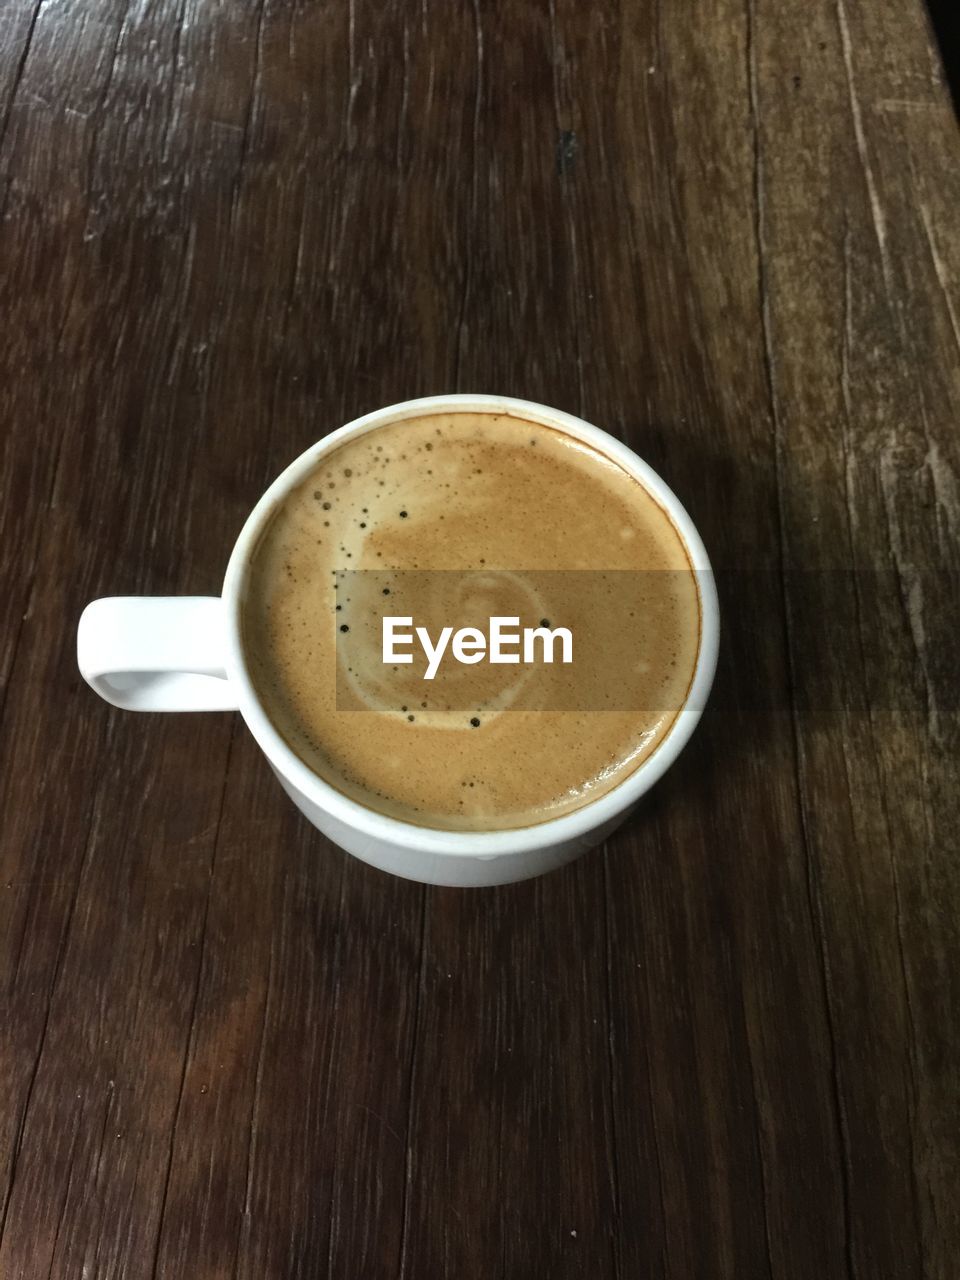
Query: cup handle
x,y
156,653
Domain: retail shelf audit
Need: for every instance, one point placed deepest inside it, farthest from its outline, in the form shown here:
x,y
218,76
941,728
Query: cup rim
x,y
435,840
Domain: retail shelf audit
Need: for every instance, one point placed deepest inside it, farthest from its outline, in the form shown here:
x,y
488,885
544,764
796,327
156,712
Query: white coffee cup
x,y
185,653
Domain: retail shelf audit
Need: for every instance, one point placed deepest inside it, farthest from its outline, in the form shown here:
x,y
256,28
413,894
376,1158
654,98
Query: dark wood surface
x,y
726,1045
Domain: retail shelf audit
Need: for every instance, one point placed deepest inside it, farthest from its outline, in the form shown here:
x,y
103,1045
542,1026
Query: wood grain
x,y
727,1044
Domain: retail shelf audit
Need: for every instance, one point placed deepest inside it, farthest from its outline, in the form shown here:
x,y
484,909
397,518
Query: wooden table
x,y
726,1045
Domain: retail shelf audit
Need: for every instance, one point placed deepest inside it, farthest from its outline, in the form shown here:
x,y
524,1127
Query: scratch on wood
x,y
174,76
291,39
911,586
128,1213
404,95
759,1144
66,1195
18,74
97,112
876,209
34,99
101,1143
251,105
945,489
295,279
297,275
180,328
353,75
940,270
846,346
904,104
386,1124
815,908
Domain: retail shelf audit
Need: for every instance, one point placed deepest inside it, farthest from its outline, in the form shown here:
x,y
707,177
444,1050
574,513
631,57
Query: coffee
x,y
451,520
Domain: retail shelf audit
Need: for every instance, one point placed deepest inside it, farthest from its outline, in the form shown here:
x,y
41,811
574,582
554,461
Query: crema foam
x,y
449,522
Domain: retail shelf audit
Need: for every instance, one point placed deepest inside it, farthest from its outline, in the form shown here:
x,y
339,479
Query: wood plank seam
x,y
817,925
